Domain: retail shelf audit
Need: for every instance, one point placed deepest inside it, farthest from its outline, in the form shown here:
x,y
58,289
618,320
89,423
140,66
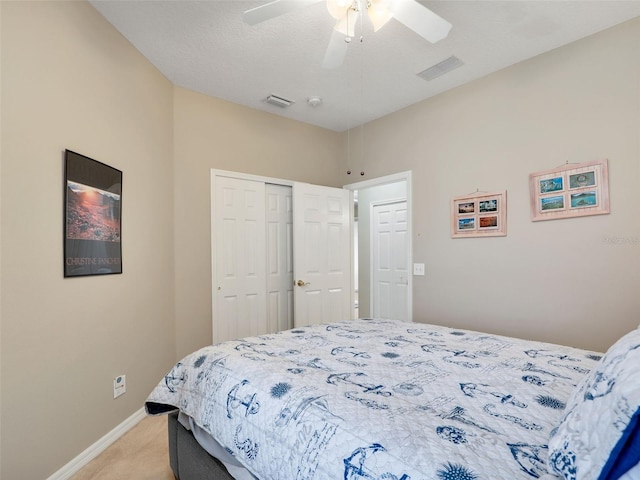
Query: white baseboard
x,y
97,448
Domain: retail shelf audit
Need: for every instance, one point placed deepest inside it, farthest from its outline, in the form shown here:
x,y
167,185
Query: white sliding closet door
x,y
279,257
240,264
321,254
262,233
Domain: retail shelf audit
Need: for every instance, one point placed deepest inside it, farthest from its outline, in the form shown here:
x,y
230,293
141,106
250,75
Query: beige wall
x,y
69,80
573,281
211,133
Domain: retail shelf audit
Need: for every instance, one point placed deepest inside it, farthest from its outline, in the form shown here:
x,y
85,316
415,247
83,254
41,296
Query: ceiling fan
x,y
412,14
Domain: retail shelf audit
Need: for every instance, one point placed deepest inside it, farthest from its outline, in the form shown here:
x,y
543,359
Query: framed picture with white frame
x,y
572,190
481,214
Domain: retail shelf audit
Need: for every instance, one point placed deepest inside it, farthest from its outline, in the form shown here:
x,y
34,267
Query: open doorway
x,y
382,247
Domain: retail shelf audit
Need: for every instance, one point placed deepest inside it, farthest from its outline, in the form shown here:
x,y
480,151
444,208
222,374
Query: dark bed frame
x,y
188,460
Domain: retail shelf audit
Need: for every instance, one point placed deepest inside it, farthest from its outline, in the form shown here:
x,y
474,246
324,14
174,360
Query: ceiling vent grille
x,y
441,68
278,101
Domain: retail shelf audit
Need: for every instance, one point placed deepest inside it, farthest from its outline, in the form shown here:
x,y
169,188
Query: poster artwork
x,y
93,215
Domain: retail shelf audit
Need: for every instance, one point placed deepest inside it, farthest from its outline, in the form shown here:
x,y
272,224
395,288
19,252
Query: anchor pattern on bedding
x,y
377,399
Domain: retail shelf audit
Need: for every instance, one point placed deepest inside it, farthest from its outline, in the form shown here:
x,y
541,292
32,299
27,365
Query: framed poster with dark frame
x,y
572,190
92,217
480,214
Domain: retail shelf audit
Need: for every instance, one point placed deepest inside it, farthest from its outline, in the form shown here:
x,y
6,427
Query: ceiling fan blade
x,y
273,9
421,20
336,51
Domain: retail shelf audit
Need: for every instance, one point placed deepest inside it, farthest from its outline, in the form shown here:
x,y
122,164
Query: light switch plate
x,y
418,268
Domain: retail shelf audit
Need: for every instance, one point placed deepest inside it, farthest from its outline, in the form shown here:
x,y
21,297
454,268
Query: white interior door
x,y
239,258
279,215
321,254
390,269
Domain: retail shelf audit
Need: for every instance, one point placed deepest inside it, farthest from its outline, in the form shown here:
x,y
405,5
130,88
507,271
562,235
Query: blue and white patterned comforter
x,y
378,399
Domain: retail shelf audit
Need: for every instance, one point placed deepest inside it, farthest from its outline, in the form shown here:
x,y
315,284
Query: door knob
x,y
302,283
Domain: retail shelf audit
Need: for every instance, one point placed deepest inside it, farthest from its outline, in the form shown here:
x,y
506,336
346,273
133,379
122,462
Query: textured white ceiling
x,y
205,46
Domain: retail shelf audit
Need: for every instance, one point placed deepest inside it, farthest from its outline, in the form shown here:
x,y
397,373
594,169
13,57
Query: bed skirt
x,y
188,460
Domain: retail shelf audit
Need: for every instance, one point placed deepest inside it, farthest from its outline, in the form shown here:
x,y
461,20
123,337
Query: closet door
x,y
321,254
257,246
279,258
239,258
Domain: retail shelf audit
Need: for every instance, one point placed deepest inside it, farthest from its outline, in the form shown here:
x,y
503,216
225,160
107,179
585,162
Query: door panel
x,y
239,258
390,261
279,217
322,254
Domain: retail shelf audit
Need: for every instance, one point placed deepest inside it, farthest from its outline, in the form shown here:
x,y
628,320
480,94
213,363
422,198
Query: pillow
x,y
599,434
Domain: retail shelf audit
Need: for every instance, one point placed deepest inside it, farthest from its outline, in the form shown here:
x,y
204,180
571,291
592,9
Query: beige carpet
x,y
140,454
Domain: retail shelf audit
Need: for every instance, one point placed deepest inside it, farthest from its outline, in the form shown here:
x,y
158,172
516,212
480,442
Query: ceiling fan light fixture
x,y
379,13
338,8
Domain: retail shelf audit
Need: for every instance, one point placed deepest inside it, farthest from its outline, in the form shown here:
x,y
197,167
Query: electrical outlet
x,y
119,385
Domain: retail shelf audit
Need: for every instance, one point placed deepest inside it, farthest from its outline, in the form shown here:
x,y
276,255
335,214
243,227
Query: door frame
x,y
384,180
276,181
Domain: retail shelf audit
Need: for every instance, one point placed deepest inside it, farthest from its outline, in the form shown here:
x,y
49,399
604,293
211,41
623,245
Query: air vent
x,y
441,68
279,101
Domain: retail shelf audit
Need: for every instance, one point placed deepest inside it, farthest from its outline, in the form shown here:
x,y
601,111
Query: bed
x,y
373,399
